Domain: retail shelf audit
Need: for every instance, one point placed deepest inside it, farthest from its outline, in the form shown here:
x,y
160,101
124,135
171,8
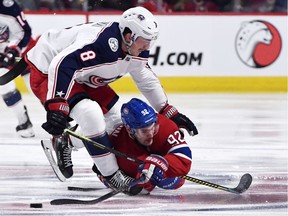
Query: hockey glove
x,y
154,168
181,120
171,183
10,56
2,56
57,116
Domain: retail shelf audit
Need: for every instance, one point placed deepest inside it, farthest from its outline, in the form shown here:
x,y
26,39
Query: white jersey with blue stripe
x,y
19,30
91,54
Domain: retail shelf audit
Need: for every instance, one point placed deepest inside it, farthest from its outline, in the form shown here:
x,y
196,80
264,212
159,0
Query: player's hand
x,y
57,116
181,120
10,55
154,168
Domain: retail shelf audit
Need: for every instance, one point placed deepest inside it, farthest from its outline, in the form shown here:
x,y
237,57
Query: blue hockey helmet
x,y
4,33
137,114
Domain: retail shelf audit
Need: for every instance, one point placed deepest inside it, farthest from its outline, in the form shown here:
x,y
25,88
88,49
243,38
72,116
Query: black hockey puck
x,y
36,205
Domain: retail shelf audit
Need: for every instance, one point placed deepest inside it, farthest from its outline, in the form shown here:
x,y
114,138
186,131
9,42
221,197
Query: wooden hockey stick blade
x,y
94,201
243,185
14,72
53,164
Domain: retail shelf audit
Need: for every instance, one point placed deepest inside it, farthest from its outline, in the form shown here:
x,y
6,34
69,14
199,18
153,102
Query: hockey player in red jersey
x,y
72,70
154,139
15,40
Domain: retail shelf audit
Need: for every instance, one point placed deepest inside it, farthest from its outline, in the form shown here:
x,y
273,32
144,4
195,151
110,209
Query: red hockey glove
x,y
181,120
154,168
57,116
10,56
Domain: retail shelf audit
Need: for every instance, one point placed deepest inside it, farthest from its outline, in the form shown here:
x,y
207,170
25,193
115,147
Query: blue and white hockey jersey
x,y
91,54
19,30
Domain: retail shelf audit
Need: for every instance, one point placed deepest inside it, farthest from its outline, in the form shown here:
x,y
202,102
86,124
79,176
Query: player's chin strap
x,y
243,185
128,45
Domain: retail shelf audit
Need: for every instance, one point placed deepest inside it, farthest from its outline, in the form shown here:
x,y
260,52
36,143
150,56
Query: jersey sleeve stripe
x,y
183,156
181,150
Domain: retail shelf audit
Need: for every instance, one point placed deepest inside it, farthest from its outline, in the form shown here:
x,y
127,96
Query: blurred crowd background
x,y
166,6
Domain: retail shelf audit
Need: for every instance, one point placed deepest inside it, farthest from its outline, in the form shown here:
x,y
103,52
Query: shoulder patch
x,y
113,43
8,3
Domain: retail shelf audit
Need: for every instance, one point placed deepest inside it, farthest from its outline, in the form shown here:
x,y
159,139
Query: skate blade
x,y
47,146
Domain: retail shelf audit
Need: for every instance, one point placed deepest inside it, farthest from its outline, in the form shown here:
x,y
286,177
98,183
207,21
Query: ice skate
x,y
48,150
63,149
118,181
25,130
115,181
121,181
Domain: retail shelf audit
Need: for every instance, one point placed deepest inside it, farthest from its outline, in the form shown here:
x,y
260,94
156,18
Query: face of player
x,y
145,135
139,45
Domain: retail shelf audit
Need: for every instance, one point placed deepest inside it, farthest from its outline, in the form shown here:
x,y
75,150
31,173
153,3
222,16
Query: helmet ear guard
x,y
140,22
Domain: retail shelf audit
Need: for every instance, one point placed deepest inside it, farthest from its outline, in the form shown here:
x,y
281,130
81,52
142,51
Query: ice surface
x,y
238,134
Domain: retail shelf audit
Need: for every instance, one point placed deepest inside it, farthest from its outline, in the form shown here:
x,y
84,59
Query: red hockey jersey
x,y
167,143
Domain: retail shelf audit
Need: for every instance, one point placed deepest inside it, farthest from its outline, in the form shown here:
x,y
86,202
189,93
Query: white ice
x,y
238,134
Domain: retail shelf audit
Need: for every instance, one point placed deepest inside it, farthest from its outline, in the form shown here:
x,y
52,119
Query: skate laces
x,y
119,180
67,155
63,150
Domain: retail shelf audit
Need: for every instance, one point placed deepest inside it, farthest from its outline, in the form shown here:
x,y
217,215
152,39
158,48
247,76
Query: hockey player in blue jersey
x,y
71,72
15,39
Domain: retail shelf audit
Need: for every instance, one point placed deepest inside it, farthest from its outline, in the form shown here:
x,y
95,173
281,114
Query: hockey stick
x,y
243,185
14,72
71,188
97,200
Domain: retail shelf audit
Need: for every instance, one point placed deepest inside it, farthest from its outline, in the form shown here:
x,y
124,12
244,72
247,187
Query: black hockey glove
x,y
57,116
2,56
181,120
10,57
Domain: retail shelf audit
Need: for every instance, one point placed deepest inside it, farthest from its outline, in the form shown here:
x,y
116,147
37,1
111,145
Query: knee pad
x,y
89,116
